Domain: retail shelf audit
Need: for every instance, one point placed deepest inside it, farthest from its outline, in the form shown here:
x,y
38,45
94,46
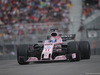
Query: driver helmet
x,y
53,40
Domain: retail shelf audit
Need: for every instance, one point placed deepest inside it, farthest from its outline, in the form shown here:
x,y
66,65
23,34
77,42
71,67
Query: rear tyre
x,y
84,47
73,47
22,55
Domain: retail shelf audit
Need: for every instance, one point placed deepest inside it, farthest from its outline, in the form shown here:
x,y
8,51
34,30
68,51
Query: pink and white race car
x,y
54,48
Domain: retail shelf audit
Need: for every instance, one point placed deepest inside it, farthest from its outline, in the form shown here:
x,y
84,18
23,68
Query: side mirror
x,y
64,40
40,41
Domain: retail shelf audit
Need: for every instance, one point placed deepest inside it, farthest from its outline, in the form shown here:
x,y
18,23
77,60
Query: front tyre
x,y
22,55
73,47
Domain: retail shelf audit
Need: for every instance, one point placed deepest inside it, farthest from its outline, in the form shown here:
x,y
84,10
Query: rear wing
x,y
68,37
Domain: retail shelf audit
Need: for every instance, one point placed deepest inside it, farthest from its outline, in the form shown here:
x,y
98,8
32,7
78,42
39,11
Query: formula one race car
x,y
54,48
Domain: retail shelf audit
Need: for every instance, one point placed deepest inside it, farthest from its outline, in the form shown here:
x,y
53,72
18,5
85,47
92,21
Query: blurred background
x,y
24,22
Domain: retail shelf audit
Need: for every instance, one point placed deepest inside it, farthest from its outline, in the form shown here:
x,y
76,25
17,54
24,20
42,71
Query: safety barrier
x,y
28,33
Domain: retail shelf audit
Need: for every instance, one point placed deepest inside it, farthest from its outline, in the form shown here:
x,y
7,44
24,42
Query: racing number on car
x,y
47,48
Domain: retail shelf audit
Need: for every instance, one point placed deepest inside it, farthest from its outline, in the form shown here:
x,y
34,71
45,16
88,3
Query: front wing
x,y
57,58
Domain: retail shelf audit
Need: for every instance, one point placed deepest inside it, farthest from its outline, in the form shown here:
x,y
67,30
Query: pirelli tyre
x,y
84,47
73,47
22,55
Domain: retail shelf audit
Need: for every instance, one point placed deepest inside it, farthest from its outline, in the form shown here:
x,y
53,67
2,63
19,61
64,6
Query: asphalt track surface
x,y
84,67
